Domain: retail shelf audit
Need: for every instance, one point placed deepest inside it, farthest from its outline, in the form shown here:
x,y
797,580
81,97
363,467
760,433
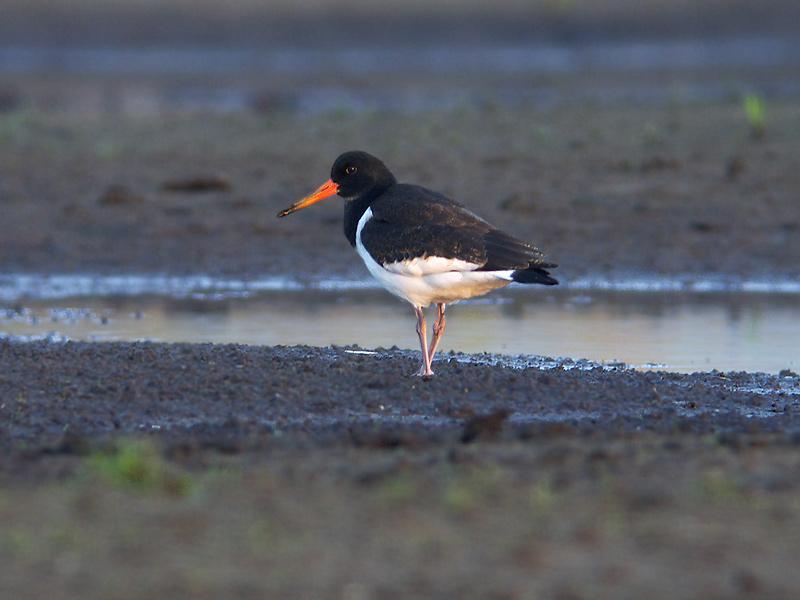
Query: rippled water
x,y
680,331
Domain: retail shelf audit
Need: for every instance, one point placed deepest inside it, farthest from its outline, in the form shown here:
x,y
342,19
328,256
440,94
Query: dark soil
x,y
92,389
141,470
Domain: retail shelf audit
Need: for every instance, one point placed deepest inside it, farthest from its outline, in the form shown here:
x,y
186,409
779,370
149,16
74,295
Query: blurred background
x,y
649,147
137,57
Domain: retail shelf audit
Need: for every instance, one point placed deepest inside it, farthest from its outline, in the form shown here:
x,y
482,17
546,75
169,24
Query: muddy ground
x,y
214,471
605,191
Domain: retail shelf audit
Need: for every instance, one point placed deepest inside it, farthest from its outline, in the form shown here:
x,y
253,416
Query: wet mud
x,y
93,389
210,470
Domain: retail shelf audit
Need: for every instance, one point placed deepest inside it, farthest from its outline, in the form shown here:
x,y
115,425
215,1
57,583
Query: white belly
x,y
423,281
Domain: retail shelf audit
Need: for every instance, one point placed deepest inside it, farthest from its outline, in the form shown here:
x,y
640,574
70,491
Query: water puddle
x,y
670,330
19,287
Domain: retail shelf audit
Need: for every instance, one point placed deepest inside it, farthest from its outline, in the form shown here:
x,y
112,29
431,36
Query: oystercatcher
x,y
421,245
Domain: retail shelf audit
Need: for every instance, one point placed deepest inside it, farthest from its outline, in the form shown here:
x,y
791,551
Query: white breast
x,y
428,265
422,281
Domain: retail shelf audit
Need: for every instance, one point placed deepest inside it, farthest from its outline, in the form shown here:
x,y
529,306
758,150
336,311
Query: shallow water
x,y
675,331
20,287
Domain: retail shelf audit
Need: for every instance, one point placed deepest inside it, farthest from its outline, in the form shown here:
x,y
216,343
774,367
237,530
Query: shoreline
x,y
155,387
32,286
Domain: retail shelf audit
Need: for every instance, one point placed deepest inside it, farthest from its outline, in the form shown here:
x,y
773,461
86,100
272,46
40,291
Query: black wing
x,y
411,222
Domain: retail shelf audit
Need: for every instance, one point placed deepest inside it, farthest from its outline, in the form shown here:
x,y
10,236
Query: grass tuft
x,y
755,111
138,465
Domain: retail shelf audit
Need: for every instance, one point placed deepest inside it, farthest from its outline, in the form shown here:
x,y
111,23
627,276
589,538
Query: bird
x,y
422,246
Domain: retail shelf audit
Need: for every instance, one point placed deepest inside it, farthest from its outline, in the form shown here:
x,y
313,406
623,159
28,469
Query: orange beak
x,y
329,188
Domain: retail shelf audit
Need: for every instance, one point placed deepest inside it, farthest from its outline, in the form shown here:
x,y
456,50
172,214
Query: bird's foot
x,y
424,372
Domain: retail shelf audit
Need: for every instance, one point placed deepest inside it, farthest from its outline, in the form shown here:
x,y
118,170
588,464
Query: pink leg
x,y
422,332
438,330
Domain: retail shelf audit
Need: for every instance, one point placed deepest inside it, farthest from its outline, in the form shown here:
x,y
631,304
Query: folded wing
x,y
416,231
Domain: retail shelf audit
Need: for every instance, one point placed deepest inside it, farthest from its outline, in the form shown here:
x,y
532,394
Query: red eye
x,y
350,170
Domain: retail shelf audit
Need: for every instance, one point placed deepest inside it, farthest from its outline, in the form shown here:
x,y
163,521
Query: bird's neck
x,y
355,208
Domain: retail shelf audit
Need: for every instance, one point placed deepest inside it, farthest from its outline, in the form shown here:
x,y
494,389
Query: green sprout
x,y
138,465
755,112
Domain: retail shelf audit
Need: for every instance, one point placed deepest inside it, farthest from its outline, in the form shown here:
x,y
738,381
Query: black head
x,y
354,174
357,173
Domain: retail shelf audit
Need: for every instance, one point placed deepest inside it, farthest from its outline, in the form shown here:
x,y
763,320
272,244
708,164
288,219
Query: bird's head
x,y
353,174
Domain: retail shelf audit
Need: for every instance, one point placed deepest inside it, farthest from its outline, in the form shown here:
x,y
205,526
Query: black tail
x,y
533,275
